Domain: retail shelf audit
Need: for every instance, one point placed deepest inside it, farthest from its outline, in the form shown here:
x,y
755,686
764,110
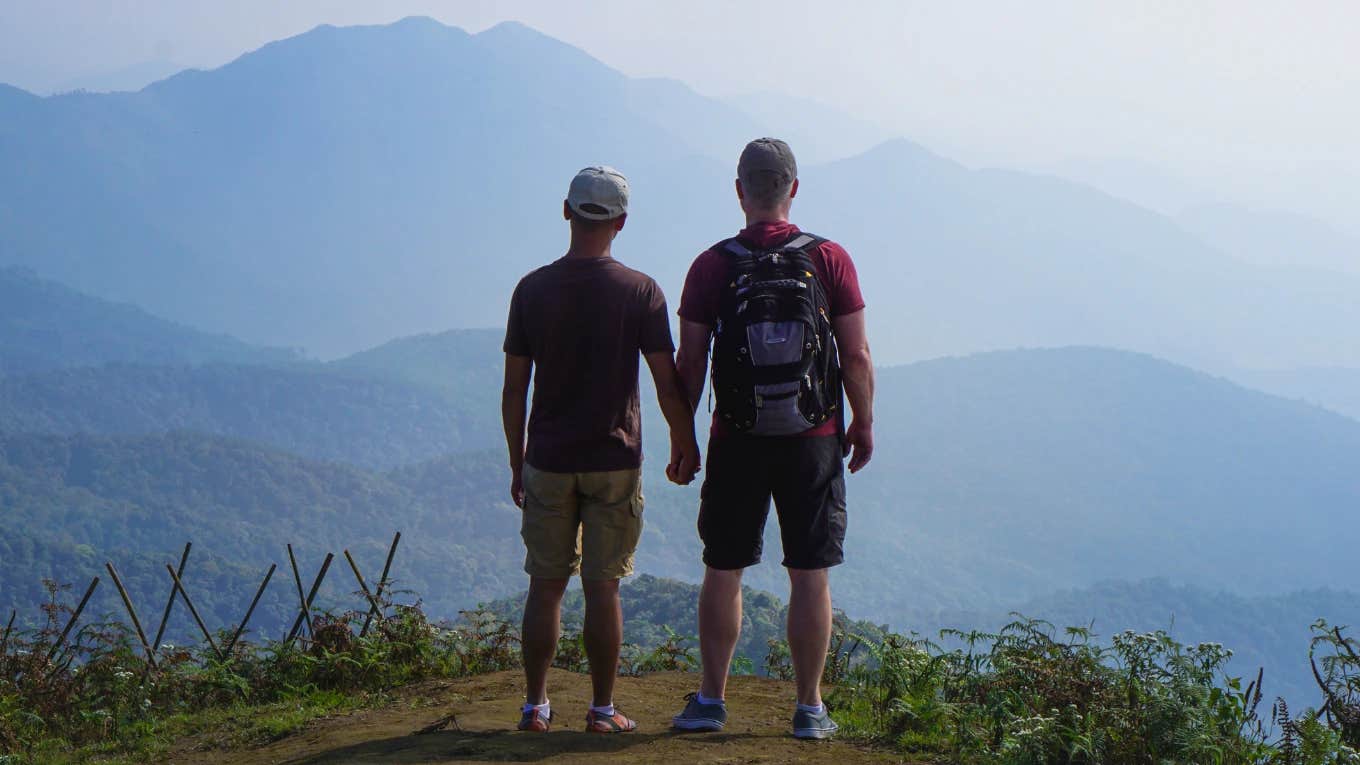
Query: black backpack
x,y
775,369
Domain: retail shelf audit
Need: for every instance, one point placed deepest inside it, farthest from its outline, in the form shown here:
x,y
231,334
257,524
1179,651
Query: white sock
x,y
543,709
607,710
702,699
809,708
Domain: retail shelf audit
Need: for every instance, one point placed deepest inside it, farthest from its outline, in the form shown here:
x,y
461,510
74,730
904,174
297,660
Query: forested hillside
x,y
322,412
44,325
67,504
1003,476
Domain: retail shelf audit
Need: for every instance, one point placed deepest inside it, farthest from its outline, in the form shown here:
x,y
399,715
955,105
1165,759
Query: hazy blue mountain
x,y
464,365
132,77
346,186
817,132
1002,476
956,258
1144,183
44,325
1336,388
1272,237
409,400
310,410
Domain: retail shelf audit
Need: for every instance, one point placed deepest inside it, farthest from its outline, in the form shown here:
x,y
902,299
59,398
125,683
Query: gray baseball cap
x,y
766,165
598,192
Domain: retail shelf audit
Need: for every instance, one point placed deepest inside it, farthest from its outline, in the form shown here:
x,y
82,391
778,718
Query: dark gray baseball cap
x,y
766,166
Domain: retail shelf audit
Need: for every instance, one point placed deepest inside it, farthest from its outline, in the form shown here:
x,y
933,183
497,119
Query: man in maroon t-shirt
x,y
802,472
578,326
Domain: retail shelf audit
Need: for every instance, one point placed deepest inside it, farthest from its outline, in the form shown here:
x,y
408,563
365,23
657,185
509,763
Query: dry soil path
x,y
487,707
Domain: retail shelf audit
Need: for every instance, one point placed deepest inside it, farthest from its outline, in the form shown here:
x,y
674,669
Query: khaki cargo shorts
x,y
586,523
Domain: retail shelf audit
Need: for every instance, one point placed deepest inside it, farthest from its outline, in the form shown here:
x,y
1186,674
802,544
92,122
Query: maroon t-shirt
x,y
584,322
710,273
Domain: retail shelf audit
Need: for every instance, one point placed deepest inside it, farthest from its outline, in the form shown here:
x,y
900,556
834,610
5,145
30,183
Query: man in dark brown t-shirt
x,y
577,325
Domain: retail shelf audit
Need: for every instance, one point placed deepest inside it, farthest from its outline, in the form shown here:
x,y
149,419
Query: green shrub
x,y
1025,696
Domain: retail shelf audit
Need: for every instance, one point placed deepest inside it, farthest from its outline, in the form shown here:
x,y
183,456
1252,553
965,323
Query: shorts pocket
x,y
638,502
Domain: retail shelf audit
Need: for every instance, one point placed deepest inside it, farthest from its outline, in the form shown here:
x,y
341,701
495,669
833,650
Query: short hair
x,y
768,194
590,224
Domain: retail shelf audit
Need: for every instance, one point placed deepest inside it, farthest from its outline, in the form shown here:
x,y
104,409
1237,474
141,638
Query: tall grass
x,y
1029,695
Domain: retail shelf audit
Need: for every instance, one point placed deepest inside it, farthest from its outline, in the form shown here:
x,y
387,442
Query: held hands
x,y
684,464
859,444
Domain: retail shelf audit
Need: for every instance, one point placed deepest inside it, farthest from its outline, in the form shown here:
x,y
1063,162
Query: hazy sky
x,y
1260,99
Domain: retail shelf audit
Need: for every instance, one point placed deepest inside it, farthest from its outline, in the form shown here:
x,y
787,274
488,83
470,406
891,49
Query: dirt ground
x,y
486,709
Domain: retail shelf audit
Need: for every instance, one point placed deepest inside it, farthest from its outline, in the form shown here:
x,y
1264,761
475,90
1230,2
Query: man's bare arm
x,y
857,372
692,359
514,394
675,406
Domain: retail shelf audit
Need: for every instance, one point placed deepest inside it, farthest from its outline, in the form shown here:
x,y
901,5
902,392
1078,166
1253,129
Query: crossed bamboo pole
x,y
179,592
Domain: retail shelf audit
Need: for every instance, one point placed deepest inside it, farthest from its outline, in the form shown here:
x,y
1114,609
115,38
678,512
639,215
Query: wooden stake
x,y
4,641
382,582
136,623
307,604
362,586
302,597
174,590
241,627
194,611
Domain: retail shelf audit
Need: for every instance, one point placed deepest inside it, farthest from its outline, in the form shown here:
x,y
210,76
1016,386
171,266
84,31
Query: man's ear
x,y
793,190
566,210
741,195
619,221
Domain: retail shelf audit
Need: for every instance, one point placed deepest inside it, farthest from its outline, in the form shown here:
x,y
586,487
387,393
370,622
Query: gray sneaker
x,y
809,725
700,716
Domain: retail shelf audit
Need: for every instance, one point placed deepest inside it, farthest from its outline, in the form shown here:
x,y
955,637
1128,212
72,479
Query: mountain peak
x,y
514,38
903,150
419,22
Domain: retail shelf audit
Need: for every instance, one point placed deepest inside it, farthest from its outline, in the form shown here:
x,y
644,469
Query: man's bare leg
x,y
603,636
719,628
539,633
809,630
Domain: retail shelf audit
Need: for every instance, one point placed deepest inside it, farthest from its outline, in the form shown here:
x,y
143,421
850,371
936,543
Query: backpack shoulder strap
x,y
740,258
801,242
733,246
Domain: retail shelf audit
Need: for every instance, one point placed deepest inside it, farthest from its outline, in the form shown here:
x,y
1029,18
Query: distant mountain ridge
x,y
311,410
1336,388
1273,238
399,179
45,326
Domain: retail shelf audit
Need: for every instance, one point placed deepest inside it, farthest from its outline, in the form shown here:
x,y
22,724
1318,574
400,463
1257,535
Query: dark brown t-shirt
x,y
584,322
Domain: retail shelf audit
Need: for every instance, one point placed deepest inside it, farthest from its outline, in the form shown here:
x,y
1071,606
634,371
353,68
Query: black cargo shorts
x,y
806,478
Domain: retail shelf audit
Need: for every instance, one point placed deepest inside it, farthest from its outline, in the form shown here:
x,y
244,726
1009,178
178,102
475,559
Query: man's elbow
x,y
690,365
857,358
